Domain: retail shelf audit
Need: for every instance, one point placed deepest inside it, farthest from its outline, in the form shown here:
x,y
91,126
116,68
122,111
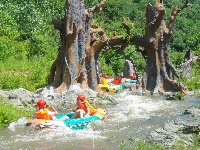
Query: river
x,y
133,118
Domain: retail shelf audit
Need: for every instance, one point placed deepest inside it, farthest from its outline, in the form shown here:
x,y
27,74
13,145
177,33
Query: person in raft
x,y
117,80
46,113
105,80
84,109
134,76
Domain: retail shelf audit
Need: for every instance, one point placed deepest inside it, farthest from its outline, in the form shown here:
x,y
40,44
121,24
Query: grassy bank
x,y
144,145
10,113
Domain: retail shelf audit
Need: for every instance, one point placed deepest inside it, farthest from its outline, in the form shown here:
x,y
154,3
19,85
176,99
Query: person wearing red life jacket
x,y
46,113
117,80
84,108
134,76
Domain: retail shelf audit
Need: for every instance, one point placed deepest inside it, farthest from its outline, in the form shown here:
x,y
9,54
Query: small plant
x,y
122,145
198,94
179,96
9,113
140,145
196,140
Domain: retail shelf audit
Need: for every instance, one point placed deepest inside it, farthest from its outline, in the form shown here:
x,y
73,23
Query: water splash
x,y
17,125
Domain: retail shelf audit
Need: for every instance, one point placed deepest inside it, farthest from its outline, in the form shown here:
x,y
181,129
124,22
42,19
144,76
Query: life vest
x,y
43,114
133,77
105,81
82,106
117,80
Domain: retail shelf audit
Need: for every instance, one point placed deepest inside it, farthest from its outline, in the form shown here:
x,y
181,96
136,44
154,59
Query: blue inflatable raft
x,y
74,124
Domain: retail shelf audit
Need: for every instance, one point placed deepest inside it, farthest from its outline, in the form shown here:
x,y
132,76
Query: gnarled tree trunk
x,y
157,77
76,62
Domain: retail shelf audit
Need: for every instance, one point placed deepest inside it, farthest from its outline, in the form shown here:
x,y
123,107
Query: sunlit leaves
x,y
9,113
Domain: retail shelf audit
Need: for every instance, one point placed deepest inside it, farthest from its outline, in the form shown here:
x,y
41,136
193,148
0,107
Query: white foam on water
x,y
19,124
74,87
21,133
132,107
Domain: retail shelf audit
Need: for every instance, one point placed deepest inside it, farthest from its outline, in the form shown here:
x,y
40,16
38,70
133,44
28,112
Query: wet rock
x,y
181,130
62,102
195,112
129,69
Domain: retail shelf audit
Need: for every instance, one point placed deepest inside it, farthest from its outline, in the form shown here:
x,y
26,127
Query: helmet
x,y
81,97
106,76
41,103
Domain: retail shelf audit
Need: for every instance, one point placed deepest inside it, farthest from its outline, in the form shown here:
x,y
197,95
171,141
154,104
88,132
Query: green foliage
x,y
28,74
186,25
113,61
28,42
136,57
177,58
179,96
140,145
144,145
12,48
198,94
43,45
196,141
8,25
193,42
106,68
194,82
10,113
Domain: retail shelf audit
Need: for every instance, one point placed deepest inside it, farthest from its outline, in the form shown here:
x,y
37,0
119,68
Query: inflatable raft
x,y
74,124
110,88
131,81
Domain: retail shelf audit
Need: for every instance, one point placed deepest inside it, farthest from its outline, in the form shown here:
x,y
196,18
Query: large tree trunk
x,y
70,61
75,62
157,77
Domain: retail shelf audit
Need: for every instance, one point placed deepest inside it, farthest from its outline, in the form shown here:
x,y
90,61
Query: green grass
x,y
145,145
27,74
9,113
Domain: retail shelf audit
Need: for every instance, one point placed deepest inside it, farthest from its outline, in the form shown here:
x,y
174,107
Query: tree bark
x,y
157,77
75,61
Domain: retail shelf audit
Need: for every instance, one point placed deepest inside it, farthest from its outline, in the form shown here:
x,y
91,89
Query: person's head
x,y
80,98
41,104
106,76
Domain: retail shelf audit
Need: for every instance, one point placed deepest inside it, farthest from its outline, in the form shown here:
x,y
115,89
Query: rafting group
x,y
114,85
48,118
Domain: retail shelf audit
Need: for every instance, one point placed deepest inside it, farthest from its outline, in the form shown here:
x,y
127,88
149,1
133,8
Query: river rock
x,y
178,131
129,69
25,99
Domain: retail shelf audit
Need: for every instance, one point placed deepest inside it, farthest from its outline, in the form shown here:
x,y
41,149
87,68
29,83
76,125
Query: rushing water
x,y
134,117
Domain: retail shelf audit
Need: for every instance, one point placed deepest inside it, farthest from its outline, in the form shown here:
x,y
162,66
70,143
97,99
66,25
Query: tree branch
x,y
96,9
57,23
100,32
174,13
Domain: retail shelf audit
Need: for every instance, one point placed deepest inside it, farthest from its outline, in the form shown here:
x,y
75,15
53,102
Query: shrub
x,y
9,113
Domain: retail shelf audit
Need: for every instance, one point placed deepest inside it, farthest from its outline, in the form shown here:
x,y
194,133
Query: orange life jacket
x,y
43,114
133,77
117,80
82,106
